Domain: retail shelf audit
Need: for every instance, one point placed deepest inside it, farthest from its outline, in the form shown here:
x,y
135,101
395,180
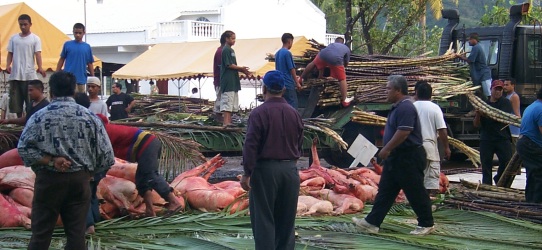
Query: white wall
x,y
265,18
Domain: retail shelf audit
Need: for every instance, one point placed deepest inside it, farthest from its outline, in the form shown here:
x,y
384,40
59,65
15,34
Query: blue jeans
x,y
291,97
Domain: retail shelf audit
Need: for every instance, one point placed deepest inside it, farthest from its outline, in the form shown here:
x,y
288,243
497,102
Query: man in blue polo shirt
x,y
404,162
529,148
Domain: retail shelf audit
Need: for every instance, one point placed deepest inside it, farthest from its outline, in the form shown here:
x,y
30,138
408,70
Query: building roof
x,y
192,59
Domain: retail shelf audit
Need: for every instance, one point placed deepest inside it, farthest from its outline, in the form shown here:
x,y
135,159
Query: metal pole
x,y
85,17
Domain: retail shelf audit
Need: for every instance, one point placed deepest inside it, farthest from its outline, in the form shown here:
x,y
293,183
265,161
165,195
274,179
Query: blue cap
x,y
274,80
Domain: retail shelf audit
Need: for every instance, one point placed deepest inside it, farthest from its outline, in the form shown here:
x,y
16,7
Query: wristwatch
x,y
52,162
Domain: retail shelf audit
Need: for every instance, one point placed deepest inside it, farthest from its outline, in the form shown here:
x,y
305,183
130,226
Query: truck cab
x,y
513,51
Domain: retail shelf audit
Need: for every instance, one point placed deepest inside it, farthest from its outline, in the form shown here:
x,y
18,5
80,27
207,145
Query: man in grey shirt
x,y
336,57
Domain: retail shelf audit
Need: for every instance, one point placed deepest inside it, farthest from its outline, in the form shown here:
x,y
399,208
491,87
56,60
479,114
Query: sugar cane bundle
x,y
449,55
322,125
492,112
509,174
471,153
368,118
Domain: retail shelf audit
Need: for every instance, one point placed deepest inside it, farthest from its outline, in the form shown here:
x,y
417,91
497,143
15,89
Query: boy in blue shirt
x,y
76,57
284,63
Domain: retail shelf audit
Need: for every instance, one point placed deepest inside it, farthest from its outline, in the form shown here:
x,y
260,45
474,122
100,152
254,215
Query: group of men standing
x,y
66,144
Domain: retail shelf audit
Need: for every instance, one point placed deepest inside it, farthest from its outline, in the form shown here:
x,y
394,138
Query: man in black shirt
x,y
272,146
39,101
404,163
119,104
495,137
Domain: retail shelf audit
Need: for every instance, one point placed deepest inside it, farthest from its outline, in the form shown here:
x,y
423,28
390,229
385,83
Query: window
x,y
533,50
490,48
202,19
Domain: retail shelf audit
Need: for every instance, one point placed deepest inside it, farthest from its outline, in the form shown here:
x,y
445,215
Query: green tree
x,y
383,27
498,14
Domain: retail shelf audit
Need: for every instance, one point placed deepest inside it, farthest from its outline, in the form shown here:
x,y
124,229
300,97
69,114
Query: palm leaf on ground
x,y
456,229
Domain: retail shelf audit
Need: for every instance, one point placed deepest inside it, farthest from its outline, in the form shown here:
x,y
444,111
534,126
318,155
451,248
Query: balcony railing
x,y
187,30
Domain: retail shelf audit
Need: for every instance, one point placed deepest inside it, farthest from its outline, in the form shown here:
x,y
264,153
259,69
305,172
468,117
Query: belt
x,y
278,160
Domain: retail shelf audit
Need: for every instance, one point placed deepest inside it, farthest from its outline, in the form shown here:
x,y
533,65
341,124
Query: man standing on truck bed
x,y
480,73
494,136
335,56
529,148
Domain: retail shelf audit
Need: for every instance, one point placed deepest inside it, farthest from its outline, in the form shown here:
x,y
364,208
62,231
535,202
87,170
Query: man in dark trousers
x,y
63,143
495,137
272,147
529,148
404,163
119,104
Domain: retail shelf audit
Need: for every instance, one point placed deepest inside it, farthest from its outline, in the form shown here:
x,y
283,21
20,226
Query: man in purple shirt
x,y
272,146
216,74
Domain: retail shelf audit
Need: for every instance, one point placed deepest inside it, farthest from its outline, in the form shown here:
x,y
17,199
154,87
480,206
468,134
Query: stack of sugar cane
x,y
367,76
368,118
492,112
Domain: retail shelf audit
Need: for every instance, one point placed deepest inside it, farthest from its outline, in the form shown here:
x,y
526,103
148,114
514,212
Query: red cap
x,y
497,83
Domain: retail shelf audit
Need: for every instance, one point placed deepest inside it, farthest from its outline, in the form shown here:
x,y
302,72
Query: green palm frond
x,y
178,155
456,229
9,135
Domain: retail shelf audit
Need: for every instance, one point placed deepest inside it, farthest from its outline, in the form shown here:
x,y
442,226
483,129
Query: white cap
x,y
94,80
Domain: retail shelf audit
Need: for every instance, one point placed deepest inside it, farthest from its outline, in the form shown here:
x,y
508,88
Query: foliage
x,y
456,229
498,14
383,27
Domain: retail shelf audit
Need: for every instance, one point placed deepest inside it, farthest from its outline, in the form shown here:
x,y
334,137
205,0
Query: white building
x,y
120,30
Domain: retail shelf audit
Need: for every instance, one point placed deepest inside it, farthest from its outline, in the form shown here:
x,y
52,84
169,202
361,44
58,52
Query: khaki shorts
x,y
18,93
81,88
229,101
216,108
431,175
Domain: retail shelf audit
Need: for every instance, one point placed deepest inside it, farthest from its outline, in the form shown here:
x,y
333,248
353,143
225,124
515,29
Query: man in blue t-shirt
x,y
76,56
529,148
284,62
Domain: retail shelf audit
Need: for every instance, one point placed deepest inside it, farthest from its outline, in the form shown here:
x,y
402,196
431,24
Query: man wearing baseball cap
x,y
94,88
272,146
495,137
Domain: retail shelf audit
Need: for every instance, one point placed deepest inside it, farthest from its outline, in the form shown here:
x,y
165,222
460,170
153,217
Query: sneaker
x,y
422,230
347,101
366,226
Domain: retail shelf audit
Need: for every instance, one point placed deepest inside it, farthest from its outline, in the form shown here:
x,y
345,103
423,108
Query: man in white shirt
x,y
432,121
94,87
23,48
